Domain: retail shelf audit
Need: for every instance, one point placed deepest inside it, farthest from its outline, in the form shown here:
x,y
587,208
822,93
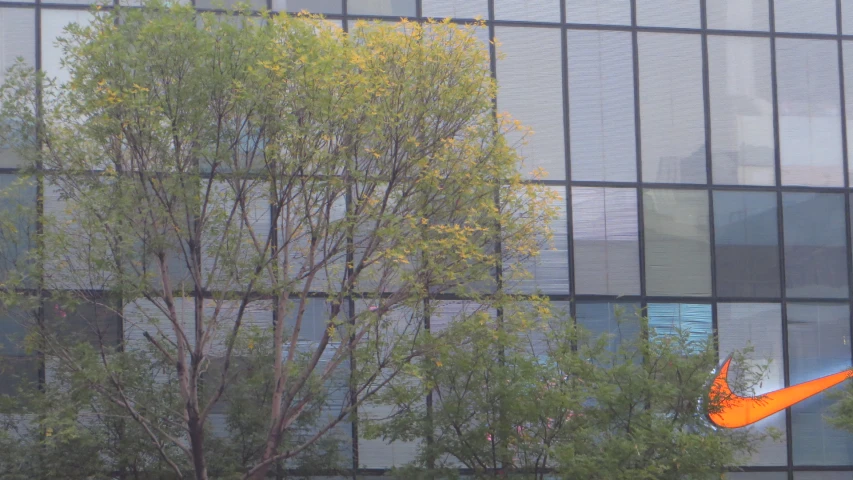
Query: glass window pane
x,y
746,237
607,250
456,8
17,39
313,6
94,322
616,12
822,475
695,319
809,112
742,145
228,4
847,17
815,245
16,372
601,106
530,80
818,345
550,270
14,324
757,325
403,8
17,223
529,10
738,14
668,13
672,117
791,16
677,242
53,22
756,476
618,319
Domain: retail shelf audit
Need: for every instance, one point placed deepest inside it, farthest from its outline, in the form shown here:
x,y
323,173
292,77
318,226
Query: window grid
x,y
643,299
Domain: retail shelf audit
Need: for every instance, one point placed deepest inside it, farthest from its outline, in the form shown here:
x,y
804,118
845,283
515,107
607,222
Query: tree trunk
x,y
196,431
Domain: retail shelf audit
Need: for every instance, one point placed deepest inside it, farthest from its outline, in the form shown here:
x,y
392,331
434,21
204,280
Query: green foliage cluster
x,y
536,396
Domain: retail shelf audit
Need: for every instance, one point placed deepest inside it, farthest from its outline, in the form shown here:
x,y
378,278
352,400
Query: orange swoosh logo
x,y
736,411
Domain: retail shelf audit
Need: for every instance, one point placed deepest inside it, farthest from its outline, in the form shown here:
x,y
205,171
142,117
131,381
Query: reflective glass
x,y
738,14
809,112
606,242
742,144
757,325
530,88
815,245
615,12
313,6
668,13
618,319
550,270
746,237
677,242
791,16
456,8
601,106
693,319
403,8
672,117
818,345
529,10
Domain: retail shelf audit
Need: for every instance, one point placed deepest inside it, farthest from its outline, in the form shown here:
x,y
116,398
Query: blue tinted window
x,y
746,244
815,245
667,318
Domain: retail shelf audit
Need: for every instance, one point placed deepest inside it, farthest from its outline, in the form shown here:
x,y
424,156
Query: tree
x,y
563,403
208,181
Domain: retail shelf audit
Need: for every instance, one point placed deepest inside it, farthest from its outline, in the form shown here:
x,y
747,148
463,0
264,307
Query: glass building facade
x,y
701,149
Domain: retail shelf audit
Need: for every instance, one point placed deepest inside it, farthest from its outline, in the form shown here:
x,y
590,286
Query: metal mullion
x,y
635,54
846,165
709,171
780,236
570,238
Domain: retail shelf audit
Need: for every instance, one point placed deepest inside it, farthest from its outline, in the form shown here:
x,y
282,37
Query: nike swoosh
x,y
736,411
